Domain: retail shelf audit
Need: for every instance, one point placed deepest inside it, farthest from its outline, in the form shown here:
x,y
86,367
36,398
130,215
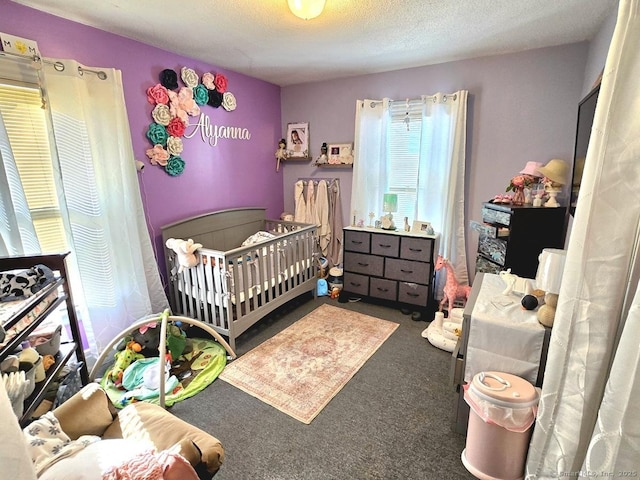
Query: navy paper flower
x,y
215,98
169,79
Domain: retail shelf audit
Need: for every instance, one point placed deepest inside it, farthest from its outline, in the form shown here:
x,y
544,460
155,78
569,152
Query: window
x,y
28,133
404,139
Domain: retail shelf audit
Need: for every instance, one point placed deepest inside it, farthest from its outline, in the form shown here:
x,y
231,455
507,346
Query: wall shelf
x,y
333,165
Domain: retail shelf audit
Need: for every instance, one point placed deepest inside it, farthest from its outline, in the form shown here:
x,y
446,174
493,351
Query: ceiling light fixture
x,y
306,9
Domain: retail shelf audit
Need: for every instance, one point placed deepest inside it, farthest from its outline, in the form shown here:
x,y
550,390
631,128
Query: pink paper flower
x,y
208,80
157,94
183,100
176,108
158,155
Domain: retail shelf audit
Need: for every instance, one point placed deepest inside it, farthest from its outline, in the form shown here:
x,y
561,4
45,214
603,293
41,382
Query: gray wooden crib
x,y
232,287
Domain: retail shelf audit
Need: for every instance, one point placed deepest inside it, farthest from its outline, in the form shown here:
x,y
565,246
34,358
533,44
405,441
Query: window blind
x,y
404,157
26,125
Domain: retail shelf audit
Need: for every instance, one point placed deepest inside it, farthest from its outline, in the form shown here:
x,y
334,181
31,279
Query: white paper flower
x,y
229,101
174,145
161,114
189,77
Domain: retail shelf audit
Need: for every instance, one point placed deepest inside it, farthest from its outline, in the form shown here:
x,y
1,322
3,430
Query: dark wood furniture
x,y
513,237
56,262
394,268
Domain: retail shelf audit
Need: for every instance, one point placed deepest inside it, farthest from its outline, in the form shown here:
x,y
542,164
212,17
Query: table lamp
x,y
549,278
555,173
389,205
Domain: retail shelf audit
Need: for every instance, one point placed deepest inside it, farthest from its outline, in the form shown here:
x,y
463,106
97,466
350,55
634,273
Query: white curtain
x,y
369,179
441,170
441,175
118,274
589,417
113,272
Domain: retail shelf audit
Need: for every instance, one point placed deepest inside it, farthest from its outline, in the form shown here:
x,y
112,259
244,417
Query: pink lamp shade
x,y
550,269
531,168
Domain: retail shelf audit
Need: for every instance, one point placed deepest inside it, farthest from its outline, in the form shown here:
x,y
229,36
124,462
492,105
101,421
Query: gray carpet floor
x,y
393,419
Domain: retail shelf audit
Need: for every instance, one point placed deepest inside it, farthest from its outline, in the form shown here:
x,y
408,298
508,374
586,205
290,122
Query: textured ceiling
x,y
261,38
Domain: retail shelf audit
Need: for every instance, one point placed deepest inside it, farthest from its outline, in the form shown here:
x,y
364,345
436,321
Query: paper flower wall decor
x,y
172,107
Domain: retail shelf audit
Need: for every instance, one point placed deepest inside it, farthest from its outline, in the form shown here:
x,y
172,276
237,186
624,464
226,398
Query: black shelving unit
x,y
56,262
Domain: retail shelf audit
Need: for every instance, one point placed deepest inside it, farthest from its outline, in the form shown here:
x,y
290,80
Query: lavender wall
x,y
522,107
235,173
598,50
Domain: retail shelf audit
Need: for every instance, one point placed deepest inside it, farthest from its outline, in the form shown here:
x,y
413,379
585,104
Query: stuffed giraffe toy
x,y
452,289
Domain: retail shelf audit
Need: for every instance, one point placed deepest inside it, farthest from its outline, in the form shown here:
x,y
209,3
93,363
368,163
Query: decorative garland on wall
x,y
173,105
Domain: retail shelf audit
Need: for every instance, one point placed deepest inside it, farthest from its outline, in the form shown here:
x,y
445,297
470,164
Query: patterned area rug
x,y
299,370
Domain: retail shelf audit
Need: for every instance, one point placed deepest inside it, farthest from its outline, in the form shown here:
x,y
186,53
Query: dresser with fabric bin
x,y
390,267
512,237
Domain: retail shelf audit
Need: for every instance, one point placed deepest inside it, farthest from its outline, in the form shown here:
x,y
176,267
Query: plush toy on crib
x,y
186,251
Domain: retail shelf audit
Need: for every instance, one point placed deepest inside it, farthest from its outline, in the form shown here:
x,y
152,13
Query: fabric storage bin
x,y
69,385
503,408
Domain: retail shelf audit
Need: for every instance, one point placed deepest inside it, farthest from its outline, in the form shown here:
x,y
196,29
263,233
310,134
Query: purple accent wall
x,y
522,107
235,173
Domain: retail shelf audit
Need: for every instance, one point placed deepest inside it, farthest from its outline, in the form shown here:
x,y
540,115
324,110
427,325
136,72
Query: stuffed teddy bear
x,y
185,250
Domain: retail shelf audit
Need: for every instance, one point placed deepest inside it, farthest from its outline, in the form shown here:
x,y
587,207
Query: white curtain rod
x,y
418,100
58,65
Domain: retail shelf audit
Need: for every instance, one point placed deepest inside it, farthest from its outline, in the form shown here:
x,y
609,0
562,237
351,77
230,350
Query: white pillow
x,y
93,461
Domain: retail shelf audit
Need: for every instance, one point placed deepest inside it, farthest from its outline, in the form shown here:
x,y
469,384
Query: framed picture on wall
x,y
340,154
424,228
298,140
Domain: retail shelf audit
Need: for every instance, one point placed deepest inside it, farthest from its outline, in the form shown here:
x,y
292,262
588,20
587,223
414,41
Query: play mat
x,y
189,375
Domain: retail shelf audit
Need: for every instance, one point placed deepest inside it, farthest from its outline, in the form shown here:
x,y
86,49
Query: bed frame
x,y
215,291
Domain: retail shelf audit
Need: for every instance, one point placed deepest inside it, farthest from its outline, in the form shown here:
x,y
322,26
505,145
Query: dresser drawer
x,y
413,293
354,283
365,264
416,249
387,245
356,241
407,271
495,216
493,248
486,266
384,289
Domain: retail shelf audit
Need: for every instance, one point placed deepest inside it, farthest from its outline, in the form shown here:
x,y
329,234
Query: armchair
x,y
90,412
